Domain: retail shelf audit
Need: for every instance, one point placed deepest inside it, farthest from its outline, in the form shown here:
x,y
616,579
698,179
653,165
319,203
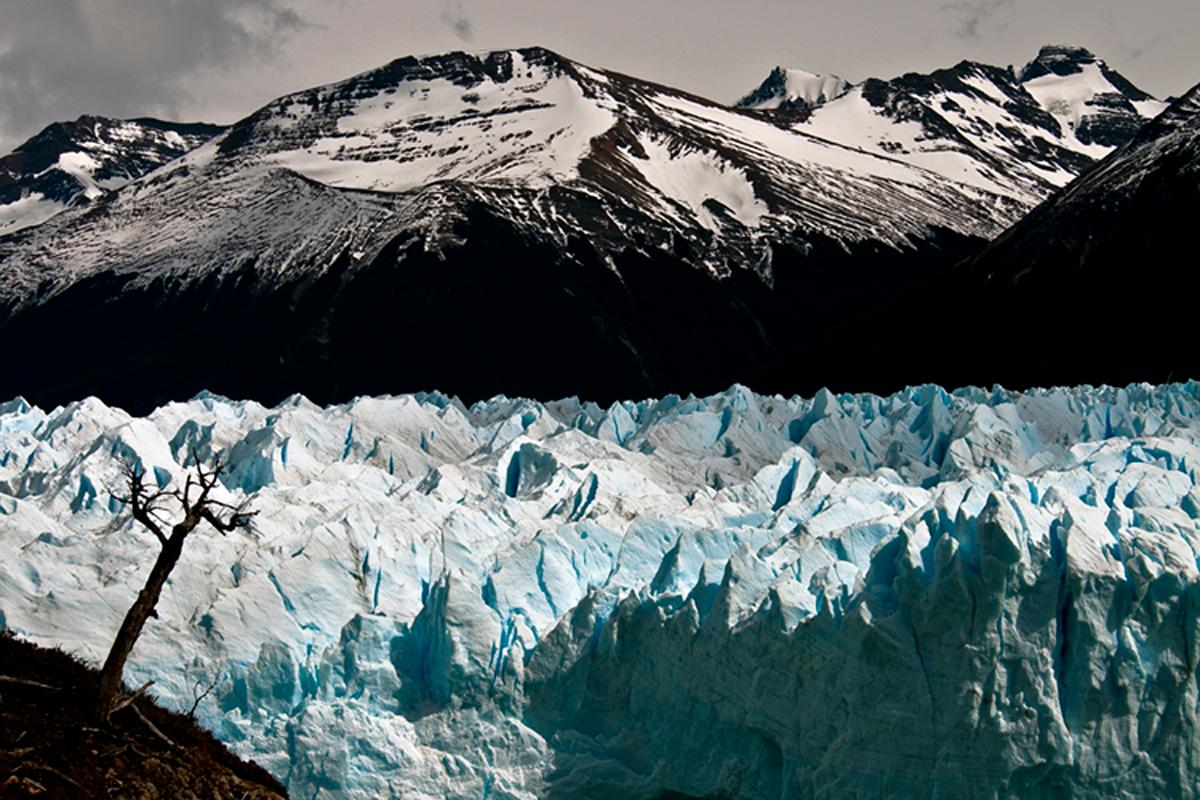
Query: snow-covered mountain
x,y
486,196
1021,134
528,133
519,222
1092,101
72,163
933,594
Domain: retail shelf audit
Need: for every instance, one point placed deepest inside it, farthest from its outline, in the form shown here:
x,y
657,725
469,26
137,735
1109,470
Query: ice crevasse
x,y
976,593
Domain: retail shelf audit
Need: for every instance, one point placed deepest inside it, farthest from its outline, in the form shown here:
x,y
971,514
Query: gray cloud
x,y
1138,50
454,16
974,15
63,58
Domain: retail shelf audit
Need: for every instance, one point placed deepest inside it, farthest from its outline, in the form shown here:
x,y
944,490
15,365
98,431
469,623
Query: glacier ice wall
x,y
978,593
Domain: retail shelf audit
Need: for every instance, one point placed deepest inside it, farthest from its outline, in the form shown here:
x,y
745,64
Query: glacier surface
x,y
980,593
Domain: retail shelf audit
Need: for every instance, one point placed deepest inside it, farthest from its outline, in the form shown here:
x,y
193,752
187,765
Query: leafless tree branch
x,y
198,696
149,508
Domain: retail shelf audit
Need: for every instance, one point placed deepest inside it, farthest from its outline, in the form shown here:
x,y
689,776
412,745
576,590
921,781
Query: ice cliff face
x,y
924,595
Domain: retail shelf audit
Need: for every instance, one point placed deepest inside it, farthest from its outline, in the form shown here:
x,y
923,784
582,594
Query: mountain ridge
x,y
566,198
677,157
1024,134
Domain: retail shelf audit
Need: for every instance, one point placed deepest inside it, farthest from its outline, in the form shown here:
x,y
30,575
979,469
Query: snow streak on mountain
x,y
967,594
74,163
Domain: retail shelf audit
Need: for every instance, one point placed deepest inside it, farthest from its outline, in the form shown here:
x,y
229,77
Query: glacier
x,y
983,593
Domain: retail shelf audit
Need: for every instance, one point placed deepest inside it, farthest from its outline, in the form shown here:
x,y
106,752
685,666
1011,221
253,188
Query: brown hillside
x,y
52,744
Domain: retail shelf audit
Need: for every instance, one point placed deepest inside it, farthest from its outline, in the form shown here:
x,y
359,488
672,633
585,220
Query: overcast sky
x,y
217,60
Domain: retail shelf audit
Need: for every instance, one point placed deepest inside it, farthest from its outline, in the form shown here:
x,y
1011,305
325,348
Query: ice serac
x,y
971,593
307,247
76,163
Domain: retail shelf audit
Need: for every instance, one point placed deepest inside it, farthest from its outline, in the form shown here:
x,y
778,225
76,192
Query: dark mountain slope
x,y
1099,283
501,313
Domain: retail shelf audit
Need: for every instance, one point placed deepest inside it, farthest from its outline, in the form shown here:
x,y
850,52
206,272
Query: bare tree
x,y
202,688
150,511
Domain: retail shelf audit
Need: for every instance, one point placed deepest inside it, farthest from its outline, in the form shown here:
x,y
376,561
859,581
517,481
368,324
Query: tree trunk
x,y
111,684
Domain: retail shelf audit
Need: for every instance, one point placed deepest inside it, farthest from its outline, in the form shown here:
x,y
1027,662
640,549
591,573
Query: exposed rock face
x,y
978,593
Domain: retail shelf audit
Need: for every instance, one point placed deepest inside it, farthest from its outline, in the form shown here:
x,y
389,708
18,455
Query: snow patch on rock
x,y
703,183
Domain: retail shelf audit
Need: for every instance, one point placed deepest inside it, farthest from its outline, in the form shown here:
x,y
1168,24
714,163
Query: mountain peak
x,y
467,68
1066,61
80,160
1187,106
793,89
1057,59
1099,104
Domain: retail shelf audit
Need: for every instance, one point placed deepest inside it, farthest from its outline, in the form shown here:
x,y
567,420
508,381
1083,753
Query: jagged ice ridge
x,y
978,593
